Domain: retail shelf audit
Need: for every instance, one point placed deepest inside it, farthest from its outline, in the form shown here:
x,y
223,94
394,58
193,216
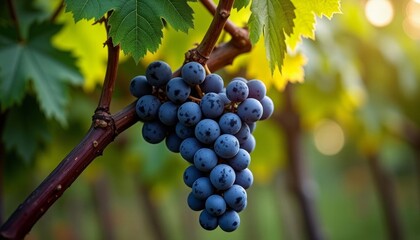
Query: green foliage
x,y
34,62
273,19
88,9
239,4
25,129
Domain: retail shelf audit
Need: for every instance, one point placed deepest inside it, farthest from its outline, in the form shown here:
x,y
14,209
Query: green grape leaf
x,y
88,9
273,19
137,24
239,4
25,129
306,12
35,63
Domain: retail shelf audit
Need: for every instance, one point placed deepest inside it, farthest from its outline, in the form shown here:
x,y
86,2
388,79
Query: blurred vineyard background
x,y
351,131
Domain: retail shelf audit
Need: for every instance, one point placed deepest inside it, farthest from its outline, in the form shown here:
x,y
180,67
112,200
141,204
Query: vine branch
x,y
13,15
202,53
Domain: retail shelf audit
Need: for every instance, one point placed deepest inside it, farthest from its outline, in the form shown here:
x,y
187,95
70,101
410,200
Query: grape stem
x,y
202,53
13,15
101,133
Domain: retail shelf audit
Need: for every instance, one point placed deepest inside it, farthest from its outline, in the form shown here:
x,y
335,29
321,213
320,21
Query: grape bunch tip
x,y
211,130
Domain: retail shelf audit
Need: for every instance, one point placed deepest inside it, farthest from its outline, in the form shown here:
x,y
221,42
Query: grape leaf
x,y
34,62
24,134
137,24
306,12
273,19
239,4
88,9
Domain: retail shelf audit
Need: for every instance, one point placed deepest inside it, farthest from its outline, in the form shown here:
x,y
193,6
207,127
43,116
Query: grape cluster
x,y
211,127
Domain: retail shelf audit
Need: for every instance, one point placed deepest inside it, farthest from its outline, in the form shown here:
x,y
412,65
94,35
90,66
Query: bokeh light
x,y
379,12
329,137
411,23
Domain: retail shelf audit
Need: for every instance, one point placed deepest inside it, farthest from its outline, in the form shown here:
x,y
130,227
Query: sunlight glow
x,y
379,12
411,23
329,137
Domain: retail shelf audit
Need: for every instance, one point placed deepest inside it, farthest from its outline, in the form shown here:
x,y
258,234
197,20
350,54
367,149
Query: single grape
x,y
268,107
140,87
215,205
188,148
212,105
202,188
243,133
195,203
207,221
224,98
158,73
207,130
236,197
257,89
240,161
173,142
193,73
239,79
226,146
168,113
191,174
250,110
237,91
249,143
222,176
212,83
153,132
189,114
252,126
183,131
205,159
147,107
229,221
177,90
244,178
230,123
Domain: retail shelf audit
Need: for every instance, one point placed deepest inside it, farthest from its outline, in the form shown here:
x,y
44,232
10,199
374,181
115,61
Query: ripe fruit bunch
x,y
211,127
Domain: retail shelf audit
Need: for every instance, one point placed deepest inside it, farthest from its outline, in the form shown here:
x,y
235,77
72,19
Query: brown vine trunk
x,y
386,194
296,167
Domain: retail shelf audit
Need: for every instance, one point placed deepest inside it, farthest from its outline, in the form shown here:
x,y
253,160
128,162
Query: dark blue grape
x,y
202,188
224,98
168,113
215,205
244,178
212,83
173,142
268,107
250,110
153,132
140,87
207,221
243,134
212,105
207,130
222,176
249,143
177,90
189,114
257,89
147,108
237,91
191,174
226,146
229,221
252,126
183,131
240,161
230,123
236,197
158,73
193,73
195,203
205,159
188,148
